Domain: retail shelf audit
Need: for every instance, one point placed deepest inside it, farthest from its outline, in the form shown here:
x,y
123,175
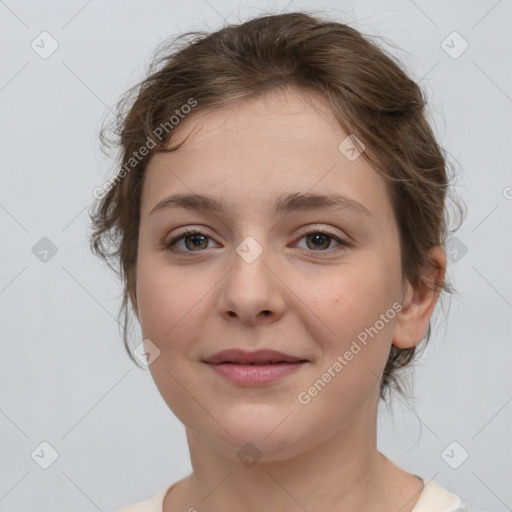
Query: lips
x,y
249,369
259,357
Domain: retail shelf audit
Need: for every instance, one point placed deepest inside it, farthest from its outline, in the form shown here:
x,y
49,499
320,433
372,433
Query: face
x,y
319,283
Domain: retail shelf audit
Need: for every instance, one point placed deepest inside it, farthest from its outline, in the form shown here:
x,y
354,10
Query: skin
x,y
303,297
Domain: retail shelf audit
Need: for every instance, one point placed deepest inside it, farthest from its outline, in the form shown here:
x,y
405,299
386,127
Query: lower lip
x,y
255,375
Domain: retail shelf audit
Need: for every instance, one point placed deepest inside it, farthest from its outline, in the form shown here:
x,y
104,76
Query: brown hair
x,y
370,94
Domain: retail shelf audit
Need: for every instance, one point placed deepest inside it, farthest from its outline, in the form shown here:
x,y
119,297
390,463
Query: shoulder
x,y
436,498
152,504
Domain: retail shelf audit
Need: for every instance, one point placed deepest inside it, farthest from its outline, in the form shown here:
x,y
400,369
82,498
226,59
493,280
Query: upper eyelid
x,y
303,231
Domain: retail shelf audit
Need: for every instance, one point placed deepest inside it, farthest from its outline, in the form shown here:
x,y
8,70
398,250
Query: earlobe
x,y
419,302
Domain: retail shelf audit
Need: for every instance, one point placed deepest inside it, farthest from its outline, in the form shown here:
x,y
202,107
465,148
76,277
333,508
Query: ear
x,y
418,304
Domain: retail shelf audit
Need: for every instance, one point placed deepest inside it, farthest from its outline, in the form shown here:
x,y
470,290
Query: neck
x,y
343,472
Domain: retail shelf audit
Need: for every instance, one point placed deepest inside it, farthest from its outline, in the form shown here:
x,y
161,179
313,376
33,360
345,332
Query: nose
x,y
252,293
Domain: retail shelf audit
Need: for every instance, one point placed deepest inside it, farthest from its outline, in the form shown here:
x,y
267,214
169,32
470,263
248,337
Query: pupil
x,y
319,235
196,243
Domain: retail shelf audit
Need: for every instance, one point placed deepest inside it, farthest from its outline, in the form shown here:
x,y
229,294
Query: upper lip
x,y
265,356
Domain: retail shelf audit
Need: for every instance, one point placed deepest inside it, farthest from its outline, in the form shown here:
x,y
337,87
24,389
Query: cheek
x,y
169,302
172,302
363,318
160,307
153,302
356,298
360,315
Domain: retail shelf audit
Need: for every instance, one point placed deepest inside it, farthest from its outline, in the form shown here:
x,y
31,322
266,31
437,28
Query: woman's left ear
x,y
419,303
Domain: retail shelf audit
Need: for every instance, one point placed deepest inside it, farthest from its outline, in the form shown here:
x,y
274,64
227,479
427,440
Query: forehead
x,y
278,118
251,153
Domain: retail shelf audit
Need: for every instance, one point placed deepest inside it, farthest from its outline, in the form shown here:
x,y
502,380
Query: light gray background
x,y
64,376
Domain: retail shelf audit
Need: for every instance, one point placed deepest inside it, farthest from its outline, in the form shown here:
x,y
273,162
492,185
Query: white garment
x,y
433,498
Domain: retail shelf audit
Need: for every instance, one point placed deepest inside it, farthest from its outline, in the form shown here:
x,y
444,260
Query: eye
x,y
319,240
195,240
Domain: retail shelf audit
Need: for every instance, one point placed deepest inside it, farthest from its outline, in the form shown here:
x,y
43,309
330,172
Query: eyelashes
x,y
203,239
189,232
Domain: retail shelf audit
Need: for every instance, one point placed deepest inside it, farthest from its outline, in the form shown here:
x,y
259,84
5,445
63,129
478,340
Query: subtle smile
x,y
253,368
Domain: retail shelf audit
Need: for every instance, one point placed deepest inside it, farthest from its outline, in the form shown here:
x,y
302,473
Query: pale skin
x,y
303,296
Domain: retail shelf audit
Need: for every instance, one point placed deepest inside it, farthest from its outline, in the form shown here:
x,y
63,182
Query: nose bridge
x,y
251,260
252,287
250,250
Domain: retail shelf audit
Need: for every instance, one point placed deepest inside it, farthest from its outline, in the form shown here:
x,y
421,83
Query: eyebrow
x,y
298,201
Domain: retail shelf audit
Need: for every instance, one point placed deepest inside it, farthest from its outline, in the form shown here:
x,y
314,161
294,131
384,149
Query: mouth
x,y
259,357
254,368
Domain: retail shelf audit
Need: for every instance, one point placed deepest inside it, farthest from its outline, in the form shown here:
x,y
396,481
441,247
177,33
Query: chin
x,y
258,435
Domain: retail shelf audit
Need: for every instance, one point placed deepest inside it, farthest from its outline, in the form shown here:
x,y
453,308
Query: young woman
x,y
279,221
